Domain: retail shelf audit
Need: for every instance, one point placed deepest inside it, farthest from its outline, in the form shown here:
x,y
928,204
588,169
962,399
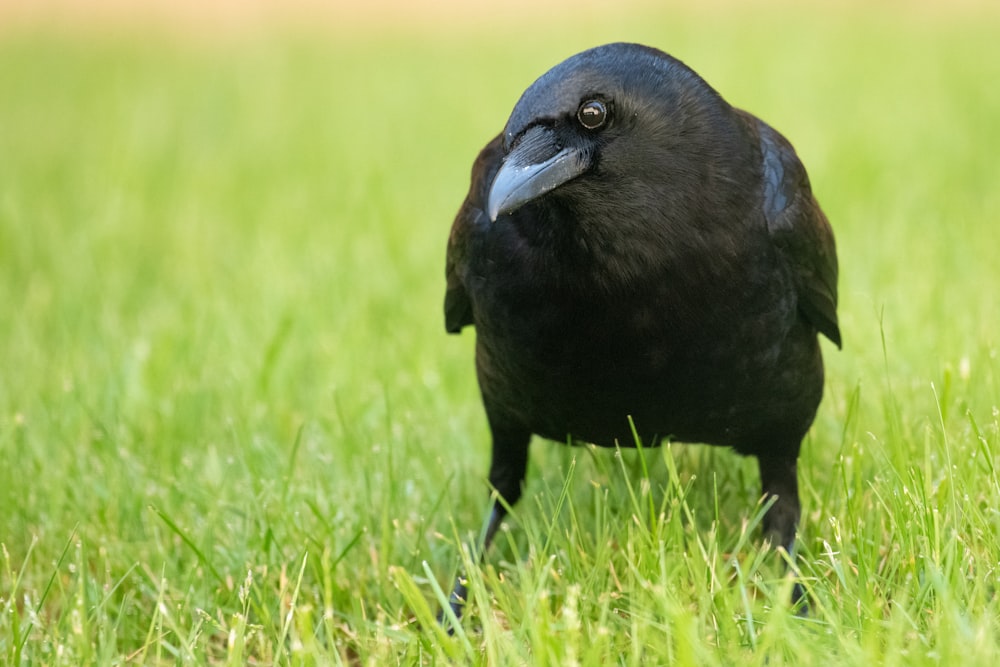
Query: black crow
x,y
633,247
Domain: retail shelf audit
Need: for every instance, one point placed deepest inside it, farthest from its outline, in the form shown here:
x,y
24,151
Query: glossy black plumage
x,y
670,265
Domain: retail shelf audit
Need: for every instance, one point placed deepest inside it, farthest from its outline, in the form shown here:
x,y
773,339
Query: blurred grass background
x,y
233,430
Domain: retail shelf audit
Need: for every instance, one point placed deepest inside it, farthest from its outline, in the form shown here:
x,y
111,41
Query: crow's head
x,y
623,124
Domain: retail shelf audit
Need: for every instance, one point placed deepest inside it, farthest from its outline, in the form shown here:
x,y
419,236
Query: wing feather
x,y
458,310
800,232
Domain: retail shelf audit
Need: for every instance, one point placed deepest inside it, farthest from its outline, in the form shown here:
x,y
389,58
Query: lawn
x,y
233,430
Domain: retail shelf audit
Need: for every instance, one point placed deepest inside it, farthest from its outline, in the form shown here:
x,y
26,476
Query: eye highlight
x,y
592,114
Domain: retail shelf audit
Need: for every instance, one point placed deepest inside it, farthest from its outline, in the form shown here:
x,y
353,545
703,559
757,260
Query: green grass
x,y
233,430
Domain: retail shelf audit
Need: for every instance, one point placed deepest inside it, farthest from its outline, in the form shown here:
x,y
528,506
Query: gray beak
x,y
536,165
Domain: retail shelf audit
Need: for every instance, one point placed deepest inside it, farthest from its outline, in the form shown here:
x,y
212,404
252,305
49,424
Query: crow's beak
x,y
536,165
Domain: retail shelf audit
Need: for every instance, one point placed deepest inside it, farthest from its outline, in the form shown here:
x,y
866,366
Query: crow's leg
x,y
507,470
779,480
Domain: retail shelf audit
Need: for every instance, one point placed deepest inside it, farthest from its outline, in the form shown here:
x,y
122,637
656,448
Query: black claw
x,y
800,599
456,602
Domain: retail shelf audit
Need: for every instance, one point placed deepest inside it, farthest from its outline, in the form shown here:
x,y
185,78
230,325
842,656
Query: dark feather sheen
x,y
679,280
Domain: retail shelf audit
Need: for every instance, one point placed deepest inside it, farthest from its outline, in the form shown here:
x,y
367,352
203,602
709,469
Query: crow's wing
x,y
471,218
800,232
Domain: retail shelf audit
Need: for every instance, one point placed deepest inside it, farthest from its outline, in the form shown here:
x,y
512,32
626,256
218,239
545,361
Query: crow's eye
x,y
592,114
